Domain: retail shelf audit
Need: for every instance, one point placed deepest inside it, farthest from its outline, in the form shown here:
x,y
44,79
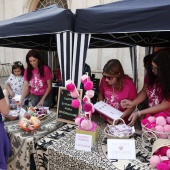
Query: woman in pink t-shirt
x,y
38,80
116,86
156,88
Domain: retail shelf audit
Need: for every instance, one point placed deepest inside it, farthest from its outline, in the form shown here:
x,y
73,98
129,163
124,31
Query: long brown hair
x,y
114,67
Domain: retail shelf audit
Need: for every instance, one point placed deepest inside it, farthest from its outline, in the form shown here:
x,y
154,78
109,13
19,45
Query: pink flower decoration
x,y
154,161
78,120
166,128
86,99
74,94
168,119
163,150
151,126
145,122
168,153
87,107
162,166
85,78
75,103
70,87
161,114
86,124
151,119
90,93
158,128
88,85
160,120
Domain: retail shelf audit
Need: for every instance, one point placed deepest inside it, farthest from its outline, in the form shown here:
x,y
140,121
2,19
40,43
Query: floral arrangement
x,y
159,124
84,120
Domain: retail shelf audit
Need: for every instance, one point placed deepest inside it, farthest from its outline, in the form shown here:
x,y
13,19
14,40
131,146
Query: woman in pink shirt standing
x,y
38,80
116,86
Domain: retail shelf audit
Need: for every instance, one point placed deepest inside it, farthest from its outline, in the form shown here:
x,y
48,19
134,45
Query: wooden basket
x,y
109,136
159,143
161,135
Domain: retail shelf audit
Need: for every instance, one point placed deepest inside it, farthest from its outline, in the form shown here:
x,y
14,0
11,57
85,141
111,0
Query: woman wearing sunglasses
x,y
116,86
156,88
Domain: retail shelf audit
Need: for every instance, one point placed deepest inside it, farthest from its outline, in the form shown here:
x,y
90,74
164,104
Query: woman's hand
x,y
126,104
132,119
20,104
41,103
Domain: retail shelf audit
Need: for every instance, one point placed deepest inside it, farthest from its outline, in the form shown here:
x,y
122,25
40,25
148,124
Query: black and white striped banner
x,y
64,50
72,55
81,44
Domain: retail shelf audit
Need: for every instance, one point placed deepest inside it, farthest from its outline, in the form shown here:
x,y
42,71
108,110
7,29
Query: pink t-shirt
x,y
38,85
154,95
113,97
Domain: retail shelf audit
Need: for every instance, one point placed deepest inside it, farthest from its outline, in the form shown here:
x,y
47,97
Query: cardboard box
x,y
94,134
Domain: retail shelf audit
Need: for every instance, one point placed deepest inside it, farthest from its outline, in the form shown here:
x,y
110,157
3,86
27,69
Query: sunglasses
x,y
108,77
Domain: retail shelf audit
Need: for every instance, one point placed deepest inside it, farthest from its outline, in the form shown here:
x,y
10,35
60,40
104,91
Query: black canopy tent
x,y
47,29
126,24
135,22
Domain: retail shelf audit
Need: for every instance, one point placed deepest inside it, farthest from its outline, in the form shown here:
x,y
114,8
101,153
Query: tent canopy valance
x,y
37,29
132,22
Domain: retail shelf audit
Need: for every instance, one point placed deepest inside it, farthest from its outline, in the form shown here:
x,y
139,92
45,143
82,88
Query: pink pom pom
x,y
158,153
85,78
90,93
168,153
162,166
78,120
86,124
159,128
154,161
166,128
87,107
151,119
86,99
151,126
163,150
75,103
145,122
88,85
74,94
168,119
162,114
70,87
161,121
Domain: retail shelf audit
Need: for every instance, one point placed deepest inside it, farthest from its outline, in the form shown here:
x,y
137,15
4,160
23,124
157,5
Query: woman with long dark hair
x,y
38,80
156,88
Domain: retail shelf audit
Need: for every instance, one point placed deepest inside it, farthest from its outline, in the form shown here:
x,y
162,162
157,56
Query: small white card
x,y
21,113
83,142
108,110
121,149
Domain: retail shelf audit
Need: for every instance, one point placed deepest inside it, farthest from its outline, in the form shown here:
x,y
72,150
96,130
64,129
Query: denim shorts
x,y
35,100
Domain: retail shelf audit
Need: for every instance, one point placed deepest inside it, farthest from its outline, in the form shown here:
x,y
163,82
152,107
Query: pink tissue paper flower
x,y
70,87
74,94
87,107
75,103
88,85
160,120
